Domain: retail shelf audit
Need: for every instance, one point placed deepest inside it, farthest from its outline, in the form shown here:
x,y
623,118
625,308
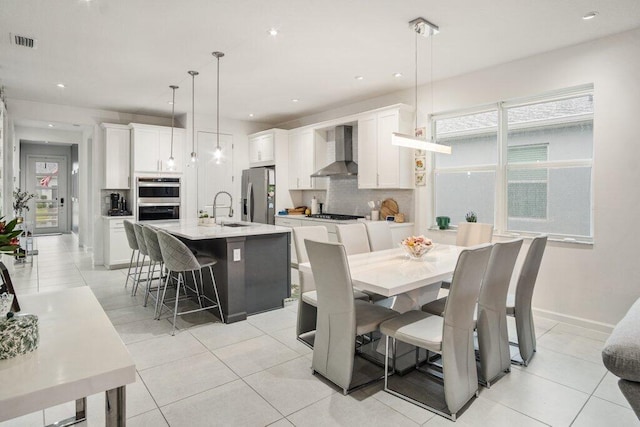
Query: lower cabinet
x,y
115,245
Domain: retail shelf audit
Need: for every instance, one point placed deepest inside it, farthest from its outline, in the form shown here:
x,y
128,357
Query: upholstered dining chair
x,y
142,248
308,296
179,259
379,234
341,318
133,245
519,305
491,313
155,260
451,335
354,238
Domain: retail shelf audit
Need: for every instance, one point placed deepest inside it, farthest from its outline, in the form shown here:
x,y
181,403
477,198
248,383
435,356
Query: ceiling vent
x,y
24,41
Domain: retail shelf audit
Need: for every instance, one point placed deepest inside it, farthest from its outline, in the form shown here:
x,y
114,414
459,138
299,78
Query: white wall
x,y
590,285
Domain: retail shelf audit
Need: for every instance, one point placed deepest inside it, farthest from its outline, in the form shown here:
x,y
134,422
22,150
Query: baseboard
x,y
575,321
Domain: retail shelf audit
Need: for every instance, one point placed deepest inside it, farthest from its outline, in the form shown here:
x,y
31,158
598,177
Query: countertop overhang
x,y
191,230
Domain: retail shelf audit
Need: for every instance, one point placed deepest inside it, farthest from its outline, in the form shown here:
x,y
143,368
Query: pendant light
x,y
171,162
424,28
194,156
217,154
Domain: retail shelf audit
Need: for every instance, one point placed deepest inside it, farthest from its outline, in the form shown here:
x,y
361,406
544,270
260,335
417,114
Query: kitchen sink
x,y
232,224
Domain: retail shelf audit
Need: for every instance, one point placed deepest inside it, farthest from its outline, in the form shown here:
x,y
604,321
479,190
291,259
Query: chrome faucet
x,y
215,204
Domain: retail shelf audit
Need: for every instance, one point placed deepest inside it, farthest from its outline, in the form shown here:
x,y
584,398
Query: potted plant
x,y
471,216
20,203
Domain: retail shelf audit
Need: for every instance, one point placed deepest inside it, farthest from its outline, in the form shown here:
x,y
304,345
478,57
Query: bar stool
x,y
179,259
142,249
155,258
133,245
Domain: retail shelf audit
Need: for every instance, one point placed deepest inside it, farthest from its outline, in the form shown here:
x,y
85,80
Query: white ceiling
x,y
122,55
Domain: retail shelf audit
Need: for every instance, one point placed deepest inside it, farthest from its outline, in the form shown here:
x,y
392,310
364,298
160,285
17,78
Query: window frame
x,y
502,166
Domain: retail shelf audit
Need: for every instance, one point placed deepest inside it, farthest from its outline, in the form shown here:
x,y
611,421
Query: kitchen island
x,y
253,272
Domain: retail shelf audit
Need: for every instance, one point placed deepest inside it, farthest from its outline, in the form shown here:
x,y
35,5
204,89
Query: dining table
x,y
408,282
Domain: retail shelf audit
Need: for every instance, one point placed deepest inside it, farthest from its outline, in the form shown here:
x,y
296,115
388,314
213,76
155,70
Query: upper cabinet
x,y
262,147
305,157
152,148
381,164
117,154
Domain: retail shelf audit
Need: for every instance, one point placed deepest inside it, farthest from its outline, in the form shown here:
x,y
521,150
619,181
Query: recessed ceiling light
x,y
250,114
295,100
397,75
50,125
273,32
61,85
359,77
170,102
589,15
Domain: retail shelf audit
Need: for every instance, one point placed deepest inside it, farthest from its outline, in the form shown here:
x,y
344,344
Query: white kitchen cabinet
x,y
305,157
381,164
291,223
117,157
152,148
262,147
115,245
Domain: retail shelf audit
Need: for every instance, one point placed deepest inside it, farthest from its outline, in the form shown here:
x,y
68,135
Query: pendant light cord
x,y
193,113
416,77
173,111
218,108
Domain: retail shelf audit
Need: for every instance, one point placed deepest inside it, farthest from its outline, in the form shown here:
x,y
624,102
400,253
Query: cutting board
x,y
389,207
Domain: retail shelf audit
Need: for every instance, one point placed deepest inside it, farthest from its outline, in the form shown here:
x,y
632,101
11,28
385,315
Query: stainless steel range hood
x,y
344,164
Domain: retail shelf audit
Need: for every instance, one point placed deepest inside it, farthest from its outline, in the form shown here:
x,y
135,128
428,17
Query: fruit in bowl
x,y
416,246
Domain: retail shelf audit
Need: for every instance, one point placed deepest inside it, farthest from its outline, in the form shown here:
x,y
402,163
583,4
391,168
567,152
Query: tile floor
x,y
255,373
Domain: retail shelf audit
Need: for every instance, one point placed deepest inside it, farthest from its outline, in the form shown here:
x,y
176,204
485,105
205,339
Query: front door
x,y
47,178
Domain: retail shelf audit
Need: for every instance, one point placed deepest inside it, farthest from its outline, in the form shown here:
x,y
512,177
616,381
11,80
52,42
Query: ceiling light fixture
x,y
250,114
194,155
396,75
50,125
171,162
295,100
218,153
61,85
589,15
273,32
424,28
359,77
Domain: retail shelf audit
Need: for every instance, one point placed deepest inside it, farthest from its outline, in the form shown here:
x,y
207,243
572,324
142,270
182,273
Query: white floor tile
x,y
29,420
148,419
255,355
218,335
143,330
232,404
186,377
288,337
274,320
609,390
598,412
573,345
290,386
134,313
157,351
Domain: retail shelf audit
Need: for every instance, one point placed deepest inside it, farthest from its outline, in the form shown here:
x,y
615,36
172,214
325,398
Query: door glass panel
x,y
46,190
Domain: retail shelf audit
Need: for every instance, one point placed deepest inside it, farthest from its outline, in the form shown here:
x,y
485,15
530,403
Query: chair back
x,y
493,335
315,232
379,234
142,245
131,235
474,233
151,240
333,347
176,255
354,238
529,274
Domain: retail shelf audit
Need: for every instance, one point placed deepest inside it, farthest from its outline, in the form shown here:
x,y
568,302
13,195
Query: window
x,y
523,165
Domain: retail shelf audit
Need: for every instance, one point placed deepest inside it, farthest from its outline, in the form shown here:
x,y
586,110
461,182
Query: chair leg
x,y
152,269
164,291
137,282
175,310
386,361
215,289
195,284
126,282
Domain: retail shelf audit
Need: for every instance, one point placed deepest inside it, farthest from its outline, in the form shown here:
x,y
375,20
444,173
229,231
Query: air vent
x,y
25,41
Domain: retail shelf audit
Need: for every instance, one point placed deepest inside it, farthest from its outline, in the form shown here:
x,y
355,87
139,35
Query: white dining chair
x,y
379,234
471,234
451,336
519,305
354,238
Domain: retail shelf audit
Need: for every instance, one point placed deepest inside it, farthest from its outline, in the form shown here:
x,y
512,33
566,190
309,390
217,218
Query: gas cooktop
x,y
335,217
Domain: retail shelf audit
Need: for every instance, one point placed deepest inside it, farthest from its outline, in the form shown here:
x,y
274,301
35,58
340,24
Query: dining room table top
x,y
391,272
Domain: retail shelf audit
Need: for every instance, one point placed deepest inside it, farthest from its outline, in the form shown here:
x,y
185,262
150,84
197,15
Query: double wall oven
x,y
158,199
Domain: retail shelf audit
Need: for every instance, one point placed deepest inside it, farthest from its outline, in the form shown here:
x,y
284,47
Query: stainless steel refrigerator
x,y
259,195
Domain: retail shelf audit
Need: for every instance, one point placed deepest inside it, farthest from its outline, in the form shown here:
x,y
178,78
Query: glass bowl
x,y
416,252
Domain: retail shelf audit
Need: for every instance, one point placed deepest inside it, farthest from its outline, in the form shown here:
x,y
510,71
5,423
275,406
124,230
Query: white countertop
x,y
306,218
189,229
80,354
108,217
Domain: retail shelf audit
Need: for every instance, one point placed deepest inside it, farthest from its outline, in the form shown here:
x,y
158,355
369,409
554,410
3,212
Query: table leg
x,y
81,415
115,407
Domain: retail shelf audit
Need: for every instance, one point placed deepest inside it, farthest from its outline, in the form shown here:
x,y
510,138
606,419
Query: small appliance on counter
x,y
118,205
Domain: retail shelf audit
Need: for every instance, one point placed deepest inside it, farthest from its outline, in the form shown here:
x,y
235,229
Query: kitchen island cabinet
x,y
252,272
